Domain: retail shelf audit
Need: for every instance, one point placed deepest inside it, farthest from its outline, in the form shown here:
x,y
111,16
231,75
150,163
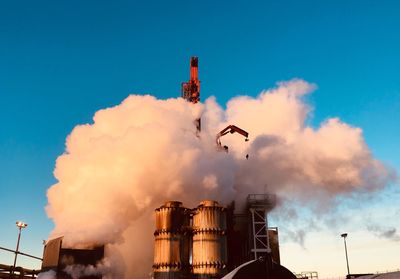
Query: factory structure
x,y
211,240
57,258
204,242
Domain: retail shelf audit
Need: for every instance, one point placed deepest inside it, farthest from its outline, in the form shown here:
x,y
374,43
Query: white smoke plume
x,y
103,268
51,274
137,155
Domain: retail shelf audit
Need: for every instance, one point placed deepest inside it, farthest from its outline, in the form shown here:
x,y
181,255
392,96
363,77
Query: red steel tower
x,y
191,89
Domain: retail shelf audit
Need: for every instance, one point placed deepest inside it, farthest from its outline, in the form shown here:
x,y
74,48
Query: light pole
x,y
20,226
344,235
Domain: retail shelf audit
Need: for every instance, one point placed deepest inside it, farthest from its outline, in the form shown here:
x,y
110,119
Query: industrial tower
x,y
259,205
191,89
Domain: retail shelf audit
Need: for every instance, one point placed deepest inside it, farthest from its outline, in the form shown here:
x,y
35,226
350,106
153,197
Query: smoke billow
x,y
51,274
136,155
103,268
390,233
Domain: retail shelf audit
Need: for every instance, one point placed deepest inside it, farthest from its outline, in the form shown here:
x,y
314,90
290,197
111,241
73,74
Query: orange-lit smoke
x,y
145,151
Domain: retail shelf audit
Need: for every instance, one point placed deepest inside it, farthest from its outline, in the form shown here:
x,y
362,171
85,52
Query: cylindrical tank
x,y
172,241
209,240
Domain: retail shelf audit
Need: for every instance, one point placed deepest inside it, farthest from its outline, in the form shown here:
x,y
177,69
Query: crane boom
x,y
190,91
231,129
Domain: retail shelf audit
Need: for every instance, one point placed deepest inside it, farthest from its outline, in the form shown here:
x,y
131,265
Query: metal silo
x,y
209,240
274,244
172,241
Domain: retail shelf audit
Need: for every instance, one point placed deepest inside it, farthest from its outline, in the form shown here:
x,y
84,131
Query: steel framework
x,y
259,205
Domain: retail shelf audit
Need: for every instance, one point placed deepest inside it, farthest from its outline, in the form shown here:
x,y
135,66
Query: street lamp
x,y
344,235
20,225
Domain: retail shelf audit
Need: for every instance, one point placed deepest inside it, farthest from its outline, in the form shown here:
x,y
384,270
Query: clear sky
x,y
60,61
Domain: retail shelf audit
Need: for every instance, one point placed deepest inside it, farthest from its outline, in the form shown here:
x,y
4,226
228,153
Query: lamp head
x,y
21,224
344,235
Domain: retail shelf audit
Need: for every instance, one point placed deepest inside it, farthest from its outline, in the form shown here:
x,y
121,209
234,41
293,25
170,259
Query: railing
x,y
19,272
261,200
307,275
20,253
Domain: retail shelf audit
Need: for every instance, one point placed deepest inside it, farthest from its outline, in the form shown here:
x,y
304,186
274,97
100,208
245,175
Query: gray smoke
x,y
390,233
51,274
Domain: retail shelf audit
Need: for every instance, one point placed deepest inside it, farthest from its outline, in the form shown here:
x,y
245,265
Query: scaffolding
x,y
259,205
10,272
307,275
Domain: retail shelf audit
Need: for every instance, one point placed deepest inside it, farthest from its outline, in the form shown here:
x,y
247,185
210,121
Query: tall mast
x,y
191,89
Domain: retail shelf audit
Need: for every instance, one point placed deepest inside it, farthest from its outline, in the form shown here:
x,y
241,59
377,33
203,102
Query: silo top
x,y
171,217
209,203
172,204
209,216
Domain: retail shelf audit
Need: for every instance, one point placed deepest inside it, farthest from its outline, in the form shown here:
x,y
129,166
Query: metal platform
x,y
264,201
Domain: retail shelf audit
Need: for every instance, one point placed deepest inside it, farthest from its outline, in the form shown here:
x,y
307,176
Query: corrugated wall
x,y
172,241
209,240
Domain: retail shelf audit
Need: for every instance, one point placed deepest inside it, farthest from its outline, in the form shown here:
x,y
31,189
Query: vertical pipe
x,y
266,230
347,259
16,250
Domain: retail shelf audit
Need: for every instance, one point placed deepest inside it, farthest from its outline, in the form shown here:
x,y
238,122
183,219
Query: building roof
x,y
389,275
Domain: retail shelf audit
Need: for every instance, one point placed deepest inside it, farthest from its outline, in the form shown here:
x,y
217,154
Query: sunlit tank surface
x,y
172,241
209,240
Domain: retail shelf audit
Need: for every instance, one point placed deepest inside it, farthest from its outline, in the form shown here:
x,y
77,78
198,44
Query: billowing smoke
x,y
103,268
51,274
390,233
145,151
76,271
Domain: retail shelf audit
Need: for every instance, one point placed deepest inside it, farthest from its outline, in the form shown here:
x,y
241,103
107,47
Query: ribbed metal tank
x,y
172,241
209,240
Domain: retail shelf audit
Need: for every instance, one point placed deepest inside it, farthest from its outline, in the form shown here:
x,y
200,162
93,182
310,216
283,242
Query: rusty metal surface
x,y
51,253
274,244
209,240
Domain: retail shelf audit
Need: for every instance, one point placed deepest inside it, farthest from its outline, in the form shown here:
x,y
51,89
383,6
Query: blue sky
x,y
62,61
